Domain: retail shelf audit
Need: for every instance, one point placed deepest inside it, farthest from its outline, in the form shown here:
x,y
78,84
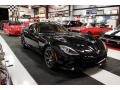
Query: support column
x,y
118,21
69,10
47,11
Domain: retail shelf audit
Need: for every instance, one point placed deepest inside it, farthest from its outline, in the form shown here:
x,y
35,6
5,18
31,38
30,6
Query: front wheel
x,y
50,58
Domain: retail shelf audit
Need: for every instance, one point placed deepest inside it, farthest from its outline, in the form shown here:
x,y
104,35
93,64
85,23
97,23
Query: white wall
x,y
86,6
57,9
108,10
42,12
79,12
26,11
4,6
80,6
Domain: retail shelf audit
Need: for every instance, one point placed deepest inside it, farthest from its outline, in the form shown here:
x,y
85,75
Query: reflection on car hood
x,y
74,40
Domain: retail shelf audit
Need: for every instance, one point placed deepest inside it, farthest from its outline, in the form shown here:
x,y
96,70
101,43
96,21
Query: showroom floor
x,y
31,69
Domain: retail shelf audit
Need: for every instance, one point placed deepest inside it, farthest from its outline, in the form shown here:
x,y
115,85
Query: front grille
x,y
92,59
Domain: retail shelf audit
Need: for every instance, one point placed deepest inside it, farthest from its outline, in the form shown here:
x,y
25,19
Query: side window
x,y
43,28
34,28
31,27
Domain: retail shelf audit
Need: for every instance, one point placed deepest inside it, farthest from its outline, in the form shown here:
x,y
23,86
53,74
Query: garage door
x,y
4,14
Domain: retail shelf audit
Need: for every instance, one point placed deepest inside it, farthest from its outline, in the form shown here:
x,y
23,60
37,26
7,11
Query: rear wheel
x,y
50,58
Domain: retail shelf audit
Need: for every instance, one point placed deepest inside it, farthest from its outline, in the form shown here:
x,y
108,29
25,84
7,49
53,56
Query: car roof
x,y
48,23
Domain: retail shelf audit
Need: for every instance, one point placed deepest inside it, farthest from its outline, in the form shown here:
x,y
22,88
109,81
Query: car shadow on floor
x,y
38,58
35,65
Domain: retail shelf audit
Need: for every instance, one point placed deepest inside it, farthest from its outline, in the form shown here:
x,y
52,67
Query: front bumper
x,y
79,61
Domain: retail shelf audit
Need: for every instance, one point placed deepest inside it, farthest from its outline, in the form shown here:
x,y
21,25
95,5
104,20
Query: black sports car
x,y
62,48
112,37
2,22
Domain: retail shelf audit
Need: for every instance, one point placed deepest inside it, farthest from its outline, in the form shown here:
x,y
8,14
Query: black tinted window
x,y
31,27
75,23
47,27
15,23
34,28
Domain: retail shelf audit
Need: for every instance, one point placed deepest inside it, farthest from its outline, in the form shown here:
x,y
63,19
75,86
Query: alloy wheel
x,y
49,57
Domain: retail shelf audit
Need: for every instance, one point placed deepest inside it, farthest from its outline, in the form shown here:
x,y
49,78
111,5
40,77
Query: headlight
x,y
68,50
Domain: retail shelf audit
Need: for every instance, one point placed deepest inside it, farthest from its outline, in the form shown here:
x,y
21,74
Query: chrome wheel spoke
x,y
49,58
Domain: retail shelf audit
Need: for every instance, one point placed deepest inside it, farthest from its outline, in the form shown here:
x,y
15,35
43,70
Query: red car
x,y
13,28
93,29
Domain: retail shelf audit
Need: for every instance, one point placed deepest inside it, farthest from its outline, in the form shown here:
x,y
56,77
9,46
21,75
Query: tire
x,y
50,58
23,42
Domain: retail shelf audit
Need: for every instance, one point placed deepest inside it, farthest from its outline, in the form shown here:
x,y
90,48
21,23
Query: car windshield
x,y
49,27
75,23
15,23
88,25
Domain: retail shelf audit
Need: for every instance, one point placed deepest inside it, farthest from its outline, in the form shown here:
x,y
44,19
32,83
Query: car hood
x,y
76,41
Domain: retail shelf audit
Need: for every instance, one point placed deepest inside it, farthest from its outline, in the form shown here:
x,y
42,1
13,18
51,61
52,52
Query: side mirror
x,y
31,30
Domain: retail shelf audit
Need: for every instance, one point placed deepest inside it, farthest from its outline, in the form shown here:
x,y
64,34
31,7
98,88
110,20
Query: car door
x,y
31,36
41,33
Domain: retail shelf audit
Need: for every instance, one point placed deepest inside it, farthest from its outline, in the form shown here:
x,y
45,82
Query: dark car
x,y
112,38
61,48
2,22
69,24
